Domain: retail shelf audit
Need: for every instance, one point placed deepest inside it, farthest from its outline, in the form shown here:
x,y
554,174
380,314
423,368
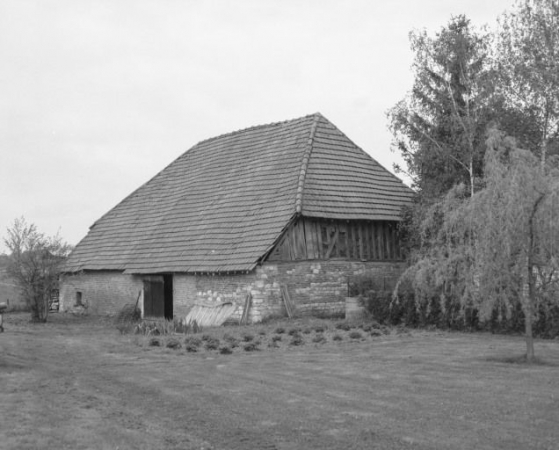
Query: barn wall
x,y
102,292
315,287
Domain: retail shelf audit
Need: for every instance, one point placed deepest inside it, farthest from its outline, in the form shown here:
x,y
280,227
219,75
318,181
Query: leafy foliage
x,y
527,70
34,264
494,252
439,127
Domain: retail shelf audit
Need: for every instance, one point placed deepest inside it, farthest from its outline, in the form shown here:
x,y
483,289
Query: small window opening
x,y
78,298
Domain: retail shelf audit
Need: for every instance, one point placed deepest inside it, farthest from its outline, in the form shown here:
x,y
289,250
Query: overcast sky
x,y
97,96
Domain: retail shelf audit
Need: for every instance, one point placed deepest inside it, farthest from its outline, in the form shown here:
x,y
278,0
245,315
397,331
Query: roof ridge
x,y
242,130
305,164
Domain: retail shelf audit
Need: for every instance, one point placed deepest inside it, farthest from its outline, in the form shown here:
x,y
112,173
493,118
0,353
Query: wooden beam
x,y
319,237
289,307
360,241
246,308
388,240
332,244
380,240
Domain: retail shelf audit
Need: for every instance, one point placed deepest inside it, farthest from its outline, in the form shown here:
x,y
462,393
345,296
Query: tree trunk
x,y
529,295
472,189
528,320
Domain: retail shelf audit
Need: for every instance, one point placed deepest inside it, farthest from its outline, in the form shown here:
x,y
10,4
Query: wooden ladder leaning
x,y
287,301
246,308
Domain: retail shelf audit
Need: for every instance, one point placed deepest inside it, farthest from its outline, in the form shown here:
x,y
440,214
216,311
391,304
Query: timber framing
x,y
323,239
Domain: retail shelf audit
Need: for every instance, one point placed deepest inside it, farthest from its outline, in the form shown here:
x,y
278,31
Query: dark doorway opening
x,y
158,296
168,296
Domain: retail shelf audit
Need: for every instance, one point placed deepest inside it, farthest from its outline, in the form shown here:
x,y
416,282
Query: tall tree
x,y
516,231
439,128
34,263
499,247
527,62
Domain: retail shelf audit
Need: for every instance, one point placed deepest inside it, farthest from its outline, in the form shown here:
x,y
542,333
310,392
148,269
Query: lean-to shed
x,y
292,206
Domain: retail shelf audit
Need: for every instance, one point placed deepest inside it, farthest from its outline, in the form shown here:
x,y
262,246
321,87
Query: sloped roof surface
x,y
223,204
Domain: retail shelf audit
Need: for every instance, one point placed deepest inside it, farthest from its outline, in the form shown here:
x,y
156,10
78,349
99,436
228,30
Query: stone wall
x,y
102,292
315,287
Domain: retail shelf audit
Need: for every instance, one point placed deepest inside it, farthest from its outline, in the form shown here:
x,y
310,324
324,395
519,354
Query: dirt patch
x,y
76,383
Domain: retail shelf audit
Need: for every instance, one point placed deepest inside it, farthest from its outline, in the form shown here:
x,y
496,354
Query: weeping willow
x,y
496,249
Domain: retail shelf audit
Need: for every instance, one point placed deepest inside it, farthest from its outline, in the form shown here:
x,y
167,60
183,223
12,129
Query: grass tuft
x,y
225,350
355,335
173,343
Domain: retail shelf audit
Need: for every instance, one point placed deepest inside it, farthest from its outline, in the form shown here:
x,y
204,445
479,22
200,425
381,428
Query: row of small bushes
x,y
403,310
247,341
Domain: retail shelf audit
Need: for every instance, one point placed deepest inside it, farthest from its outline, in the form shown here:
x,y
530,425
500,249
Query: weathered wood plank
x,y
246,309
309,239
350,243
360,234
380,240
332,243
388,241
301,245
366,246
319,238
289,307
342,240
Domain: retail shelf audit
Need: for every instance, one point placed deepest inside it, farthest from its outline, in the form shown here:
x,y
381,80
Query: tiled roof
x,y
221,206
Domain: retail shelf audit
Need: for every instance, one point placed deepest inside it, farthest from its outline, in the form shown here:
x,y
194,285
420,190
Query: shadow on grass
x,y
521,360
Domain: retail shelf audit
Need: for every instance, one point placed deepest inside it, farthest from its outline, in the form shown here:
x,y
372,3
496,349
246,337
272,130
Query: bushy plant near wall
x,y
402,308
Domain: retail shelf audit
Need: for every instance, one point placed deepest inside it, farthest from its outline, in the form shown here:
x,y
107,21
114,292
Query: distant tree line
x,y
479,135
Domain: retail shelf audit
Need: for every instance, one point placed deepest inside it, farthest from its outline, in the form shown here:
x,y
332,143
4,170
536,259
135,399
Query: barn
x,y
290,209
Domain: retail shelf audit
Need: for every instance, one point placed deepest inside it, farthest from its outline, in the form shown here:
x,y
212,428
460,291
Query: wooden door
x,y
154,297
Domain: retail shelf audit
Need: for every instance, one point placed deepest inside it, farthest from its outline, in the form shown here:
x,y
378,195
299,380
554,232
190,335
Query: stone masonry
x,y
315,287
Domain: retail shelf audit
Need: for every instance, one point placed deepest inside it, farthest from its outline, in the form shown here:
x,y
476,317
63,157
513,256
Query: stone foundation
x,y
315,288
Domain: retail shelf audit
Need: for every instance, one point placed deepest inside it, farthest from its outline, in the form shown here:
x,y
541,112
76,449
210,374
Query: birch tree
x,y
439,127
527,62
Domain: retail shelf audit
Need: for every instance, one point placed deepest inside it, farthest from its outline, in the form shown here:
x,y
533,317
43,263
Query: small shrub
x,y
262,332
232,340
225,350
343,326
355,335
273,344
279,330
376,332
337,337
247,337
191,348
193,341
212,344
251,347
154,342
319,329
319,339
297,340
293,331
307,331
276,338
173,343
206,337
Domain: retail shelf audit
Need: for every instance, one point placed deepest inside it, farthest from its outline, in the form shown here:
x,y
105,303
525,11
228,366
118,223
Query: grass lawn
x,y
77,383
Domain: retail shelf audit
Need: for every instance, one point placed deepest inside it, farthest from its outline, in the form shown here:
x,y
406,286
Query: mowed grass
x,y
413,390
